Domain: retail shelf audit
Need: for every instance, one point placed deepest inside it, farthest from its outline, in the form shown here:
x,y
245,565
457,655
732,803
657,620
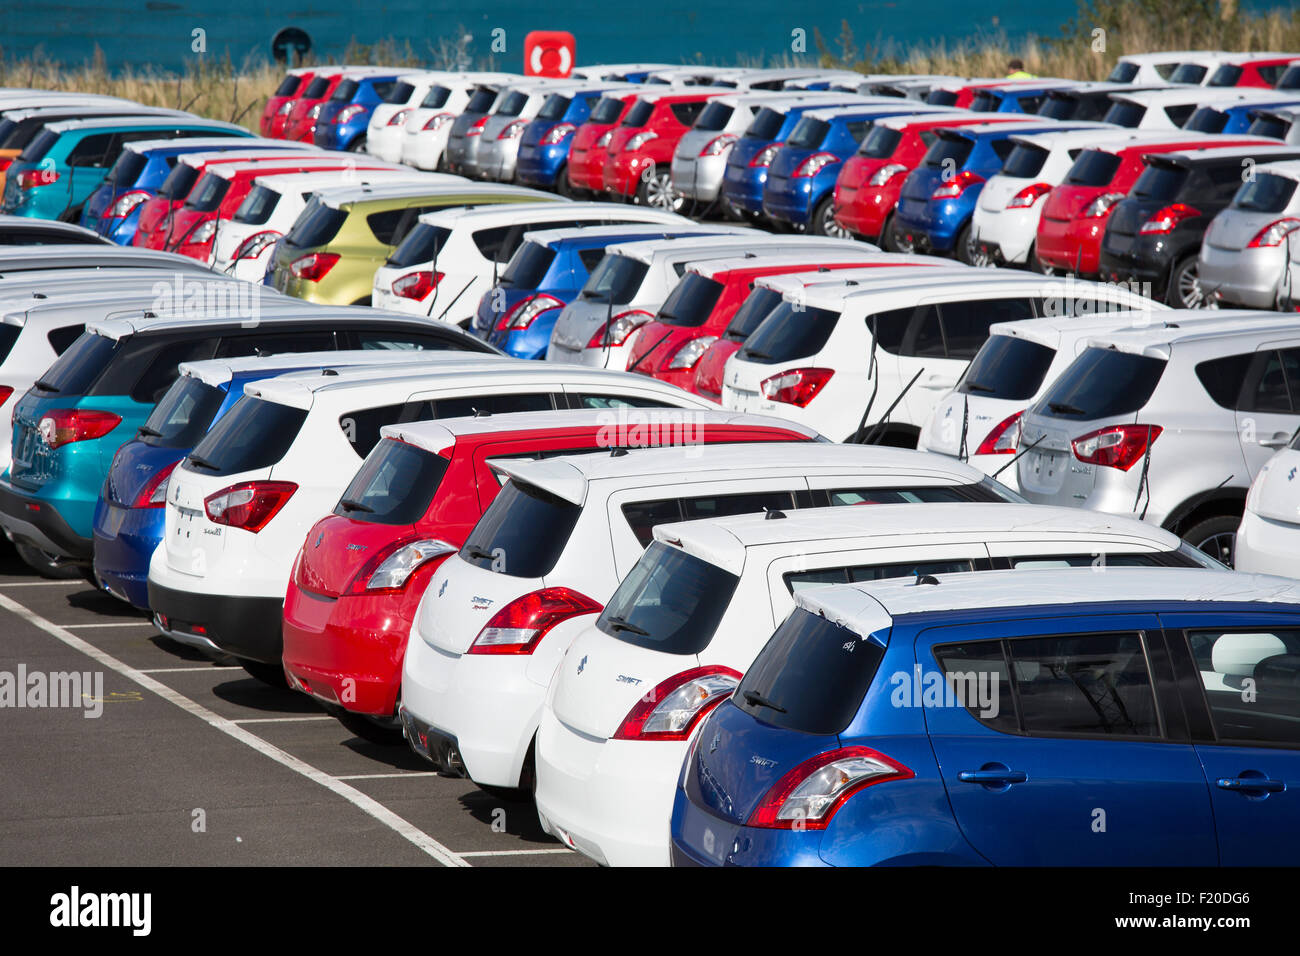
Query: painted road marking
x,y
515,852
188,670
281,720
121,624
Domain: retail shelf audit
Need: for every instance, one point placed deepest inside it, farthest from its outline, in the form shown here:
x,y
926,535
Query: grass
x,y
220,89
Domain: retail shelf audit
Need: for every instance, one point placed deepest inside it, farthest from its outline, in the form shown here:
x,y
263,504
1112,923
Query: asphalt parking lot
x,y
195,763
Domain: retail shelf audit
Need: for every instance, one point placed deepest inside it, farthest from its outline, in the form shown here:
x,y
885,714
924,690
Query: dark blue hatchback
x,y
345,116
1116,717
544,146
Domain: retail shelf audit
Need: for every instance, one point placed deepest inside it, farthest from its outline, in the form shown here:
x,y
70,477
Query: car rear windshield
x,y
183,415
639,114
207,195
880,143
1226,75
1188,73
254,434
481,101
1060,106
985,102
513,104
527,267
37,148
790,332
948,148
615,280
75,370
127,169
1267,124
523,532
690,302
1267,193
1290,80
1123,73
288,85
767,124
1125,113
179,182
1102,383
1093,167
345,91
671,601
556,105
715,116
1007,367
8,336
257,206
1207,120
316,88
941,98
756,307
394,485
607,110
316,225
810,677
809,133
1159,181
400,93
1025,161
420,246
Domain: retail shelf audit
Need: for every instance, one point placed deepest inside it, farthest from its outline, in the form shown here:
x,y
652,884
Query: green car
x,y
347,232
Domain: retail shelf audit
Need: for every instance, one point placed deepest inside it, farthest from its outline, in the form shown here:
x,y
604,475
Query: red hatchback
x,y
1075,213
587,150
300,124
277,108
638,160
870,180
1259,70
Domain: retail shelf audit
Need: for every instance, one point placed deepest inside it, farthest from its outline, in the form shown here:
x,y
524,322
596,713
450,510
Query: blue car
x,y
1013,98
1235,119
937,199
544,146
1115,716
546,272
345,116
747,163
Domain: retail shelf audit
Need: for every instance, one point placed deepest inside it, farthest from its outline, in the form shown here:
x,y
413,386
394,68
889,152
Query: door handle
x,y
1003,776
939,381
1244,783
1277,441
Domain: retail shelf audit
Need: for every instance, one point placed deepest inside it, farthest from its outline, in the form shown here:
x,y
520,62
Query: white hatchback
x,y
426,130
388,119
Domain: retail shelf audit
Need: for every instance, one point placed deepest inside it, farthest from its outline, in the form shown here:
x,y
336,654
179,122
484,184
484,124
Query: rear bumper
x,y
1071,246
1248,277
124,541
37,522
1267,547
623,171
742,187
789,200
247,627
866,211
700,177
540,165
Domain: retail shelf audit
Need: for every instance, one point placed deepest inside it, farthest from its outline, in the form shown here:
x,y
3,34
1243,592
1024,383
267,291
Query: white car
x,y
497,616
426,129
1268,539
388,119
870,363
466,250
615,72
689,618
1153,68
1169,423
630,284
469,131
1167,109
498,147
240,505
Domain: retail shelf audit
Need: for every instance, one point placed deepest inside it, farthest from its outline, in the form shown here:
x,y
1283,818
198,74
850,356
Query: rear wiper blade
x,y
977,387
352,505
621,624
45,386
755,699
203,462
478,553
151,432
1065,408
757,353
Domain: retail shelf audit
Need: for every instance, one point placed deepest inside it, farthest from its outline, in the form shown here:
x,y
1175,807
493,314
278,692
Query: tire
x,y
1036,265
657,190
962,247
370,729
46,564
358,145
1216,536
364,300
270,674
1184,291
562,185
823,221
888,240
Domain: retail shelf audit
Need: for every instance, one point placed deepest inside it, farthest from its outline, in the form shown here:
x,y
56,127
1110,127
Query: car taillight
x,y
154,493
5,392
513,130
126,203
389,570
348,113
885,173
285,108
477,128
416,285
1168,218
248,505
675,706
957,185
438,121
1101,205
31,178
1116,446
520,625
619,328
690,352
557,133
1274,233
314,112
639,140
62,426
718,145
1002,439
808,795
398,118
604,139
313,266
1029,195
797,386
814,164
200,233
521,314
256,244
765,155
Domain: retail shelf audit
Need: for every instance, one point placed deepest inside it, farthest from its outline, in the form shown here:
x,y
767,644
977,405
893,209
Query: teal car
x,y
58,170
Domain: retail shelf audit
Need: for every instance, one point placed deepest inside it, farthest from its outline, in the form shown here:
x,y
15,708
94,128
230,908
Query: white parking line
x,y
386,776
44,584
361,801
563,849
281,720
187,670
114,624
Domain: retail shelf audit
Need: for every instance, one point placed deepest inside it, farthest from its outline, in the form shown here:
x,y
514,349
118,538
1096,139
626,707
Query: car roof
x,y
26,223
1027,125
220,371
271,311
223,156
1213,153
1289,168
282,182
568,476
1201,95
141,122
81,255
805,261
647,250
1159,56
471,217
877,277
875,104
1049,330
1243,324
437,184
232,169
953,283
1102,134
628,231
724,541
943,114
198,143
441,435
870,606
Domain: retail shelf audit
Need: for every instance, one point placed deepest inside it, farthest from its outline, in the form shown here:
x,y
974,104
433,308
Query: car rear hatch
x,y
791,334
1277,493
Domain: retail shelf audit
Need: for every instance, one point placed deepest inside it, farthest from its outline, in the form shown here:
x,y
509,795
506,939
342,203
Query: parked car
x,y
500,137
1275,122
1171,108
544,145
345,116
466,130
1266,538
374,562
1238,118
278,104
617,72
1262,70
497,616
1243,259
1155,68
428,128
1086,101
1016,96
589,147
1179,438
303,120
385,128
857,766
20,231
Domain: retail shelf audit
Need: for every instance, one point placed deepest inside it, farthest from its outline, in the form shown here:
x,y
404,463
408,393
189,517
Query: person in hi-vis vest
x,y
1018,71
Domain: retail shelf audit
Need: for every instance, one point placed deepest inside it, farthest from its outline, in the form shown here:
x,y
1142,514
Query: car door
x,y
1083,759
1243,692
1268,410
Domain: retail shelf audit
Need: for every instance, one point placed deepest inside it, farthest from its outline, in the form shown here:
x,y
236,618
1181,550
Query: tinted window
x,y
316,225
941,98
965,325
756,307
527,266
714,116
481,101
421,245
513,104
1272,382
400,93
607,111
1265,124
253,434
1094,167
880,143
127,169
38,147
639,114
1159,182
687,113
209,192
1223,377
1024,161
394,485
1188,73
73,372
978,676
345,91
839,497
1180,114
263,342
257,206
1125,113
316,88
1266,193
955,148
808,133
183,415
1252,682
162,369
1090,685
522,533
1290,80
288,85
590,258
435,98
814,671
1225,75
985,102
554,108
8,336
797,581
691,302
1206,120
1102,383
1059,106
90,150
643,516
179,182
1007,367
615,280
767,124
670,602
1123,73
61,339
790,332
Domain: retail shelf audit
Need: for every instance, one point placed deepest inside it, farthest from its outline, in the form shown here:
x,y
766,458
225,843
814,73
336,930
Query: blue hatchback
x,y
544,146
1013,98
1237,118
953,721
345,116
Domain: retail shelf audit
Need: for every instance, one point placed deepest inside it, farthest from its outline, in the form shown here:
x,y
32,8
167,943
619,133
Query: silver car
x,y
1244,257
498,144
467,128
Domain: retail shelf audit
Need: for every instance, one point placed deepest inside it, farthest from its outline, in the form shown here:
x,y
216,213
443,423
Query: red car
x,y
587,150
1075,212
276,111
300,124
638,160
960,96
1261,70
869,182
361,572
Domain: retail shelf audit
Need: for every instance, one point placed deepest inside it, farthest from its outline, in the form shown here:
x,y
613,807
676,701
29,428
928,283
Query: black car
x,y
1154,235
1090,103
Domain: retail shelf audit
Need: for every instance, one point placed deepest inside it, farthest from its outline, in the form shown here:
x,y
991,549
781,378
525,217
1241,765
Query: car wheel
x,y
1217,537
269,674
656,189
358,145
1036,264
888,239
372,730
964,248
1185,290
562,185
47,565
823,221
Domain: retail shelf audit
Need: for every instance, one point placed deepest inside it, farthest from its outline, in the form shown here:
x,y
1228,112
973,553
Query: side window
x,y
981,662
891,326
61,339
1271,74
642,516
966,324
1225,180
395,341
1267,389
161,371
361,427
686,112
722,505
1223,377
590,258
1031,104
1252,683
383,225
465,405
1178,115
299,340
926,334
90,151
796,581
588,400
1002,148
896,496
492,243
